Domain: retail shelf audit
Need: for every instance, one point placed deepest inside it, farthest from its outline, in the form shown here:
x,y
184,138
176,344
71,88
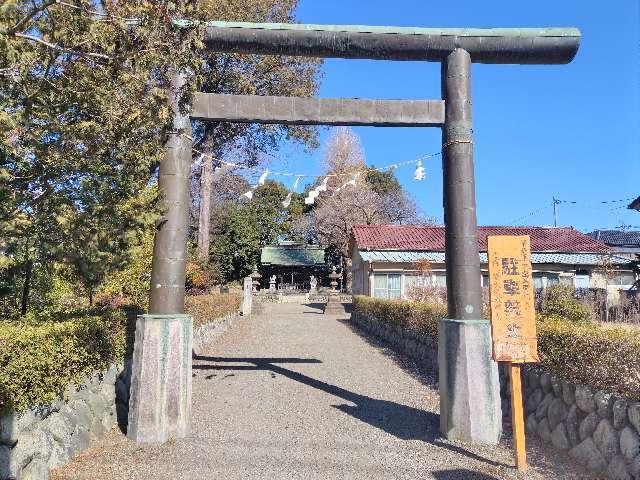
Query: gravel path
x,y
293,394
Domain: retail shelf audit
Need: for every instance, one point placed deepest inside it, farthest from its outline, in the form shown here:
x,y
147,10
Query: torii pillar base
x,y
470,409
160,400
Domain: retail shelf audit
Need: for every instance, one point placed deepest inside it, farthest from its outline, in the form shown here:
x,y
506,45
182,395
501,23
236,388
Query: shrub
x,y
207,308
419,318
602,356
40,358
560,302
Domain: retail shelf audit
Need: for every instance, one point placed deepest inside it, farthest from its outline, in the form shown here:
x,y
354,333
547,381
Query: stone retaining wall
x,y
418,347
44,438
597,429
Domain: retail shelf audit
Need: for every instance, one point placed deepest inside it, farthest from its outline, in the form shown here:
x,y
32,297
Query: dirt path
x,y
293,394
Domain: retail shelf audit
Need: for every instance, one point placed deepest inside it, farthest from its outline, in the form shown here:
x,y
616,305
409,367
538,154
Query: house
x,y
385,258
621,242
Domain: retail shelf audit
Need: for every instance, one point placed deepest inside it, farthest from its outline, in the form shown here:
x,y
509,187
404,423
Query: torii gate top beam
x,y
485,45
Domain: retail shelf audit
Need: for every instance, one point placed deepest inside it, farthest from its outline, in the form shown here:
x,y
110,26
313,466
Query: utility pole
x,y
555,211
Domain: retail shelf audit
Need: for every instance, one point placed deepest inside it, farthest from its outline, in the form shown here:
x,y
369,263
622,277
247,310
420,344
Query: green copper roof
x,y
293,255
459,32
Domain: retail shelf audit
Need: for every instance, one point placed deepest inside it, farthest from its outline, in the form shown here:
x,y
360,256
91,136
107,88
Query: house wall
x,y
545,275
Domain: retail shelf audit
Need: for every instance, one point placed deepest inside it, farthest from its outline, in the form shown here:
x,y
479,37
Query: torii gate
x,y
469,391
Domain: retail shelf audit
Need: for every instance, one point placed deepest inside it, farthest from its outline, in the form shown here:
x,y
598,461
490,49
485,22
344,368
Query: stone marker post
x,y
247,297
160,399
470,409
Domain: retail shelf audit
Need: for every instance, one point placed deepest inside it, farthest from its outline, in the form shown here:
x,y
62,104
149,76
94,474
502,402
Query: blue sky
x,y
569,131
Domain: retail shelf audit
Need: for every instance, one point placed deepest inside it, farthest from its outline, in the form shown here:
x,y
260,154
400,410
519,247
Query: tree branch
x,y
59,48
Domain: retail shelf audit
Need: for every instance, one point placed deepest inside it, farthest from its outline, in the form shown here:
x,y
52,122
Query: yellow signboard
x,y
513,318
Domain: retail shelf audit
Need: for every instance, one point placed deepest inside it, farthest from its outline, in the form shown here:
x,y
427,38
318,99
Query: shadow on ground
x,y
401,421
421,371
462,474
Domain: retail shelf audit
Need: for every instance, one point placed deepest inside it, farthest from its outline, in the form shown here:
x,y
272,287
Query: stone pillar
x,y
160,401
470,408
247,298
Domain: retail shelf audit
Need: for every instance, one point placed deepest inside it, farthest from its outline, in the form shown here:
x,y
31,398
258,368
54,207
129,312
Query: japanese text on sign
x,y
513,324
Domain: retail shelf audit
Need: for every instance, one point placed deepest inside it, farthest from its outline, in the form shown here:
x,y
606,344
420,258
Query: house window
x,y
581,280
623,278
545,279
387,285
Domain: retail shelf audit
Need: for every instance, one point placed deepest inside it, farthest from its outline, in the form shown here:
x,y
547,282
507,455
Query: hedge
x,y
598,355
38,360
601,356
419,318
207,308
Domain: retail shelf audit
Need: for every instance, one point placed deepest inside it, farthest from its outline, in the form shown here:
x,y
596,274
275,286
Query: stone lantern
x,y
255,279
334,276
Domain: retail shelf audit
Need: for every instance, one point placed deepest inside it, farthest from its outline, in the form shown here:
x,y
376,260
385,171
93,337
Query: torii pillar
x,y
469,390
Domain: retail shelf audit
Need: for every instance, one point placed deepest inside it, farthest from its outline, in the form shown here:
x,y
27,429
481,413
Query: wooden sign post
x,y
513,321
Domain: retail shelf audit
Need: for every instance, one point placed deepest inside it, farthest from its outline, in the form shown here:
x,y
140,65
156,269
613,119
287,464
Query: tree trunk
x,y
206,187
24,304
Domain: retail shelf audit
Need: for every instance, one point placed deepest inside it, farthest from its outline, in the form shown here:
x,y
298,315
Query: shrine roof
x,y
293,254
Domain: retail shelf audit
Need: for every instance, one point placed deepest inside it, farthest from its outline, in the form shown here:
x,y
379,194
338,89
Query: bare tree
x,y
343,205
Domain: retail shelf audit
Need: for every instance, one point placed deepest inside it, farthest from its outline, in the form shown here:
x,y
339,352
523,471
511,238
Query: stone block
x,y
619,413
12,424
572,422
160,395
57,427
469,385
559,437
606,439
532,402
586,453
4,461
556,386
634,467
568,393
633,412
543,430
541,410
545,382
556,412
589,425
617,469
604,404
584,399
534,380
110,375
531,424
629,443
37,469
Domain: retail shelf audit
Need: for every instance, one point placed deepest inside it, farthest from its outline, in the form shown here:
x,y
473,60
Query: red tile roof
x,y
431,238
